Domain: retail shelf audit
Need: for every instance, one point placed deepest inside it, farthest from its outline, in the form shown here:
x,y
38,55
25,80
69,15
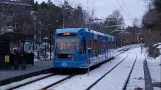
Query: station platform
x,y
40,67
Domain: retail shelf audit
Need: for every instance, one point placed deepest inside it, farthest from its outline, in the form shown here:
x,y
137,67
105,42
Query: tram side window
x,y
100,47
113,44
109,44
99,43
89,46
96,47
92,45
104,47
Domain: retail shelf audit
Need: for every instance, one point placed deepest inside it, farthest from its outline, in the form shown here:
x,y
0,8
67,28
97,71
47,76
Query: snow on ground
x,y
81,82
156,88
137,76
42,83
116,79
154,65
21,82
155,68
36,60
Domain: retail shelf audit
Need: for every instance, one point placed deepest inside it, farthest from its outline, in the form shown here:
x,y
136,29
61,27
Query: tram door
x,y
83,48
96,48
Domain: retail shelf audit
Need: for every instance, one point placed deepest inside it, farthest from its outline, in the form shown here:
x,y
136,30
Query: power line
x,y
79,2
122,8
127,9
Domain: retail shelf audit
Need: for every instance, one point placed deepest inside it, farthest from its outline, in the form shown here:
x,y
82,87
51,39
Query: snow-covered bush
x,y
155,50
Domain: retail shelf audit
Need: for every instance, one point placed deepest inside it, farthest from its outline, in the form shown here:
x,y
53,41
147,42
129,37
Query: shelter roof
x,y
15,3
13,36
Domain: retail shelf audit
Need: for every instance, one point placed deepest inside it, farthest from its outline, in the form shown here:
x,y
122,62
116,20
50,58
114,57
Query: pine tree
x,y
157,4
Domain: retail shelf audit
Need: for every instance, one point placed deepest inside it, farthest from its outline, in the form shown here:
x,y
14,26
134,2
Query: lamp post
x,y
45,38
49,25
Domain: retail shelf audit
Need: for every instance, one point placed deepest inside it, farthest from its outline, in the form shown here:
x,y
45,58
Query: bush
x,y
153,51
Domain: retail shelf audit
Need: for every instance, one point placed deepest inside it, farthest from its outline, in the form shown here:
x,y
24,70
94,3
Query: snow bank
x,y
157,44
154,65
154,68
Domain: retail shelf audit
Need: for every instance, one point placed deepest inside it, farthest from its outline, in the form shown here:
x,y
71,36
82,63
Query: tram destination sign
x,y
66,34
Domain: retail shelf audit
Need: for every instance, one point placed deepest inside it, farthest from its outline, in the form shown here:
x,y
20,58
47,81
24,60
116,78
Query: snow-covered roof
x,y
99,33
158,45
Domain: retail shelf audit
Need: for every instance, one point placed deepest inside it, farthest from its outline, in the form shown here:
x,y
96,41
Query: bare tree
x,y
114,19
135,22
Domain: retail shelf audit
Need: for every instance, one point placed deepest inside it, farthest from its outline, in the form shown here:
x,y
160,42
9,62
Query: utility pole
x,y
91,20
64,14
141,40
121,40
1,16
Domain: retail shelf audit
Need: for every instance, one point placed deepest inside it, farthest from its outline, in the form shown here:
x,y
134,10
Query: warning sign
x,y
7,58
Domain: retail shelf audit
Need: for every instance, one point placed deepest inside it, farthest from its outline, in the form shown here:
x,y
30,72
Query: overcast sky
x,y
103,8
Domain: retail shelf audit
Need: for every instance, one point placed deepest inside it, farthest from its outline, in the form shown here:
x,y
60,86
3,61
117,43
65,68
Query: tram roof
x,y
75,30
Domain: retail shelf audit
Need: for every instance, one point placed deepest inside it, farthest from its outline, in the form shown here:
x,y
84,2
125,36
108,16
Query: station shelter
x,y
6,49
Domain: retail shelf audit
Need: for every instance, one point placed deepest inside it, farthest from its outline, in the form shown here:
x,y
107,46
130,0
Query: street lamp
x,y
49,25
45,38
92,20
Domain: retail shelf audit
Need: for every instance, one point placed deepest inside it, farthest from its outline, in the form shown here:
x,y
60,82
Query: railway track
x,y
21,85
58,82
127,80
88,88
43,87
55,83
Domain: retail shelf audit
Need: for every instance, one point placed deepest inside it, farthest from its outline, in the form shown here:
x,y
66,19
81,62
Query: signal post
x,y
141,40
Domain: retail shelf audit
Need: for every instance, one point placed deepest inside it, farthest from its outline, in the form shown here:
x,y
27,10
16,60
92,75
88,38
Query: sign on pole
x,y
7,58
141,48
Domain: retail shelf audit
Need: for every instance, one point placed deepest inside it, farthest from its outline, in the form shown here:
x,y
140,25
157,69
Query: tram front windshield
x,y
66,44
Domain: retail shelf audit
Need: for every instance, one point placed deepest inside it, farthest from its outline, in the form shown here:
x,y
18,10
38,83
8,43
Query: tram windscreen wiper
x,y
56,47
76,49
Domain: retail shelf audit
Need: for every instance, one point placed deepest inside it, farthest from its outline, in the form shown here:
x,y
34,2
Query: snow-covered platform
x,y
7,76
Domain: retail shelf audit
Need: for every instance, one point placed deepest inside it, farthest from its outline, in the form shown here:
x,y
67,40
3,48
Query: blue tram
x,y
75,46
